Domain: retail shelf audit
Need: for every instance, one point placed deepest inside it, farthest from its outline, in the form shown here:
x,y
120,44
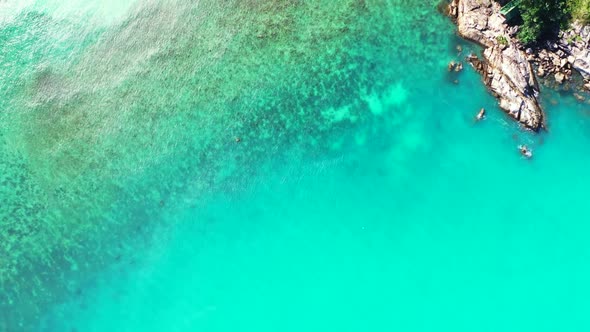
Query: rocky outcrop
x,y
504,66
582,66
575,44
569,53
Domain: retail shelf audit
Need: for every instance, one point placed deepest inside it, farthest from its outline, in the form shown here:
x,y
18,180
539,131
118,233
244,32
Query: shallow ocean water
x,y
361,196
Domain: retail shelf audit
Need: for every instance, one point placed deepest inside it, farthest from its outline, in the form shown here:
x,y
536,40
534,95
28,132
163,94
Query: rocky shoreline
x,y
558,61
507,66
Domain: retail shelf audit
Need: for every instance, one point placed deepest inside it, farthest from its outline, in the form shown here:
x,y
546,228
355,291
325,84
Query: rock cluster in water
x,y
507,65
561,58
504,66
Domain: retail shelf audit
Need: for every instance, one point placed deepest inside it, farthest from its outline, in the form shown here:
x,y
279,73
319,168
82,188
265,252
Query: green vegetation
x,y
502,40
580,10
543,18
574,39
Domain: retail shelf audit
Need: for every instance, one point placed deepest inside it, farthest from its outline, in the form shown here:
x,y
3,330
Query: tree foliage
x,y
542,18
580,10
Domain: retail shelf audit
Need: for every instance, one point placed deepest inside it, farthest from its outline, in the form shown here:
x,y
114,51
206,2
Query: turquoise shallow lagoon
x,y
361,195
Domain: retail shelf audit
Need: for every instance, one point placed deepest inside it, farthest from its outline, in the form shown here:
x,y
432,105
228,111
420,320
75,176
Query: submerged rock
x,y
504,66
451,66
481,115
559,78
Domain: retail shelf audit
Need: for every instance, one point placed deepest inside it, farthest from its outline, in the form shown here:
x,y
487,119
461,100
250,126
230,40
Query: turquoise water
x,y
361,195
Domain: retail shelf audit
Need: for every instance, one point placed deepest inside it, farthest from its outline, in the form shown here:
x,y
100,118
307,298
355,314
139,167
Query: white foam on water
x,y
10,8
105,11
